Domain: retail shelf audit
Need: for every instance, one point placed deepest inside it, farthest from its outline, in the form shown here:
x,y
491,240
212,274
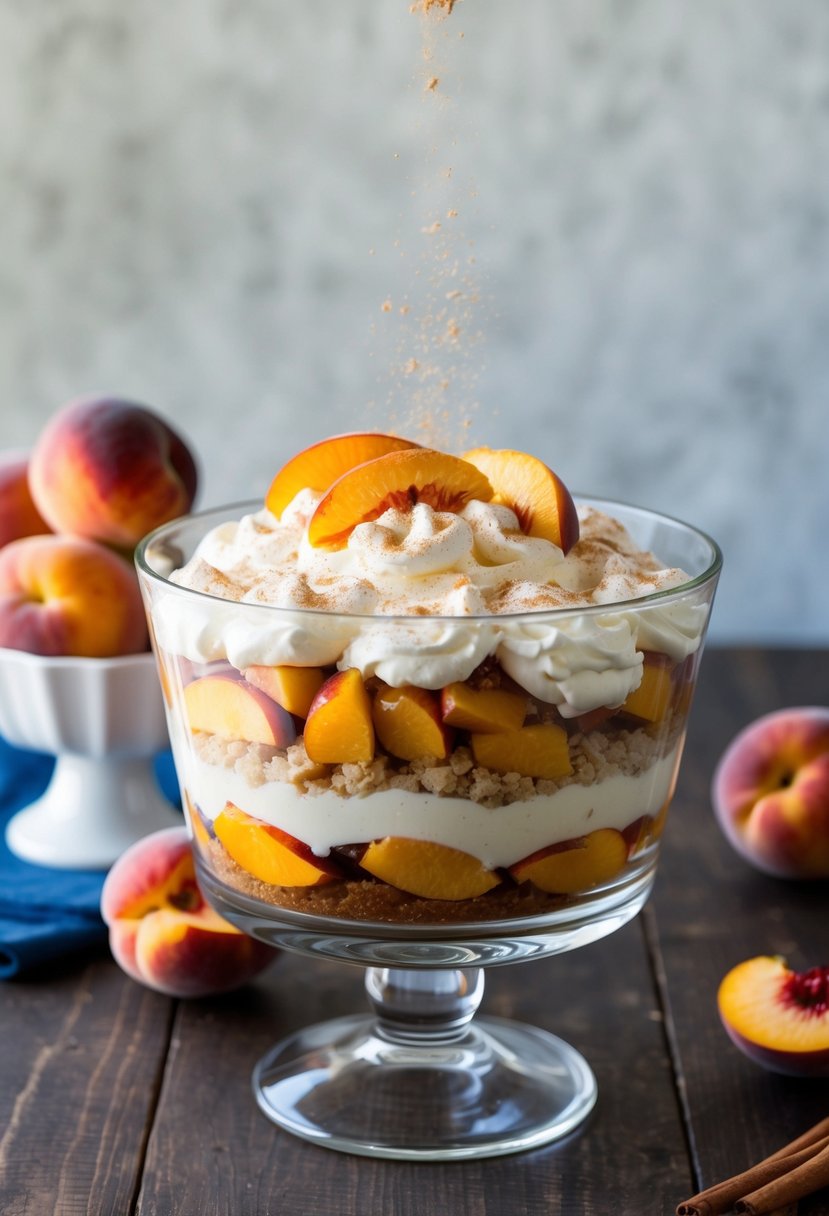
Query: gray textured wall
x,y
206,203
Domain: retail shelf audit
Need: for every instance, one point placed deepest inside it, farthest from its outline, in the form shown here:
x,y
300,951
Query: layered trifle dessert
x,y
418,687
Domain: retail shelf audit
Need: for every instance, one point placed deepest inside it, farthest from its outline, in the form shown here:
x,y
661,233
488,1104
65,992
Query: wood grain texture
x,y
117,1102
83,1054
211,1149
711,910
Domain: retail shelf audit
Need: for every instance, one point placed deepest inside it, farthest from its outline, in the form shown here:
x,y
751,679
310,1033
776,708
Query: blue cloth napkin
x,y
47,913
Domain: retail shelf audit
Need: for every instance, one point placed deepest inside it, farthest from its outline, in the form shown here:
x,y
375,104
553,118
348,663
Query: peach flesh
x,y
777,1017
397,480
317,467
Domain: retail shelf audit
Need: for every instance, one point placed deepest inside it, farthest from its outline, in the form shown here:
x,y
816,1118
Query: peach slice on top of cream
x,y
396,480
319,466
538,497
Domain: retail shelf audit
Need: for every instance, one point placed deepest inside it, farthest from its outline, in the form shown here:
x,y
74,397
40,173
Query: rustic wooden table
x,y
115,1101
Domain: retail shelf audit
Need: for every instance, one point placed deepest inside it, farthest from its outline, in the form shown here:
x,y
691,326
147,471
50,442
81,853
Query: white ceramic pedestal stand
x,y
104,721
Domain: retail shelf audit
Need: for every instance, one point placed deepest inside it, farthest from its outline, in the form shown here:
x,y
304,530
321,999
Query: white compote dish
x,y
427,742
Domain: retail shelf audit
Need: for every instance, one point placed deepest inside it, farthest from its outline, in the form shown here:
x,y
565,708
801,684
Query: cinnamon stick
x,y
797,1154
805,1179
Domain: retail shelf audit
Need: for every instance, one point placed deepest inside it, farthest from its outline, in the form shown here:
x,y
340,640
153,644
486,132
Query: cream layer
x,y
497,837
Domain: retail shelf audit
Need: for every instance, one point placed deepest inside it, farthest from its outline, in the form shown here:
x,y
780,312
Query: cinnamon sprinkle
x,y
425,6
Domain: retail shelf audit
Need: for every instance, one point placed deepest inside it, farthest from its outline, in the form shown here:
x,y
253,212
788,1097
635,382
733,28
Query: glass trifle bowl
x,y
426,794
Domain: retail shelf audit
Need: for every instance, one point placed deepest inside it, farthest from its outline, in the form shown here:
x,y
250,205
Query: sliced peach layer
x,y
433,871
486,710
575,865
294,688
652,699
777,1016
408,723
533,751
538,497
270,854
229,707
399,479
319,466
339,728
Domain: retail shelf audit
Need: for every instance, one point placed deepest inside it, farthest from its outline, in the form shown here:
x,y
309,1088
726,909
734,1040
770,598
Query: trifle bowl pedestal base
x,y
420,1080
421,1077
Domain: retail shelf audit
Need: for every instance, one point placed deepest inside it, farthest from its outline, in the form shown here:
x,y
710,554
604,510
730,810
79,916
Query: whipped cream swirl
x,y
423,597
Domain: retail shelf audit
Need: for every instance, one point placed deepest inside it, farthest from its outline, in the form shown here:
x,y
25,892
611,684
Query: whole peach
x,y
771,793
111,471
61,595
18,514
162,931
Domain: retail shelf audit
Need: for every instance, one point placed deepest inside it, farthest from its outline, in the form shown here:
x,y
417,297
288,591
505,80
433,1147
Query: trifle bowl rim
x,y
235,511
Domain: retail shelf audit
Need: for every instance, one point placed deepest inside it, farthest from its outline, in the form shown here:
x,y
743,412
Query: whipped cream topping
x,y
423,597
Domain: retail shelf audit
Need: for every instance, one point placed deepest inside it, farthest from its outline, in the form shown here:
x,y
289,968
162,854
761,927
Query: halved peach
x,y
486,710
294,688
540,750
408,723
319,466
652,699
433,871
231,708
574,865
536,494
778,1017
399,479
269,854
339,728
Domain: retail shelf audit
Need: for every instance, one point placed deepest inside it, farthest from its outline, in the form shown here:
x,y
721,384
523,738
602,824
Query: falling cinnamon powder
x,y
425,6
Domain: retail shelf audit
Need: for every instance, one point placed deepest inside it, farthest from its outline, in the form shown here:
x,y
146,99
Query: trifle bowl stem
x,y
421,1078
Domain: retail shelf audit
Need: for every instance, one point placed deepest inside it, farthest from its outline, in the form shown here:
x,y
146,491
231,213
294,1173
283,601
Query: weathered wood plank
x,y
211,1150
712,910
79,1072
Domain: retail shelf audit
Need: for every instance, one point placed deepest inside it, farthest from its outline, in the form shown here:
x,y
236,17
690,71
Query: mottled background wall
x,y
206,203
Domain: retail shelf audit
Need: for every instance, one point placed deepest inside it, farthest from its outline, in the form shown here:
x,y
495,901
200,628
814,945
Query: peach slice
x,y
779,1018
294,688
269,854
317,467
540,750
339,728
229,707
399,479
422,867
651,700
538,497
575,865
486,710
408,723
